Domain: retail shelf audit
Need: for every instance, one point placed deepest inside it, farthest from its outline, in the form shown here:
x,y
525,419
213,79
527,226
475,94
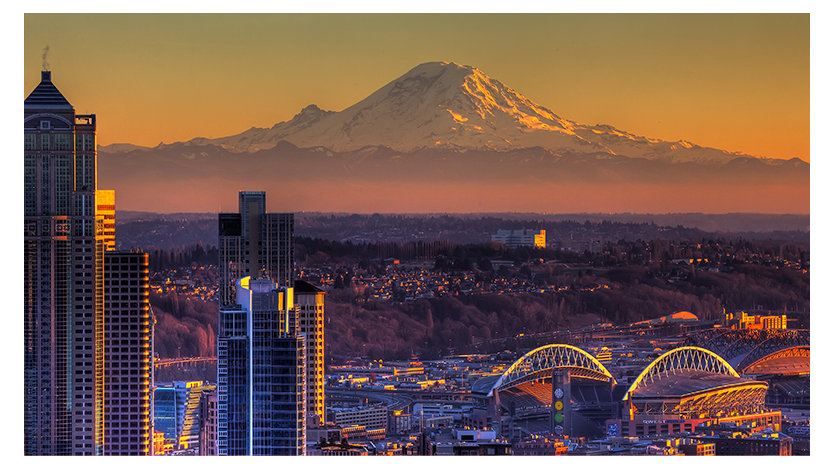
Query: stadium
x,y
678,391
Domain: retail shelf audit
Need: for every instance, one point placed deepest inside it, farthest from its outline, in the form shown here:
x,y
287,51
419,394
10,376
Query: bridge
x,y
181,361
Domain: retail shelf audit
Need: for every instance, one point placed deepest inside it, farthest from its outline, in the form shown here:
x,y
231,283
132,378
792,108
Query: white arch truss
x,y
685,358
547,358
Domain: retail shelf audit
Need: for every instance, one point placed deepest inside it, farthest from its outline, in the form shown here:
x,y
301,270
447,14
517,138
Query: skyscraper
x,y
87,323
309,305
128,361
260,373
63,278
254,243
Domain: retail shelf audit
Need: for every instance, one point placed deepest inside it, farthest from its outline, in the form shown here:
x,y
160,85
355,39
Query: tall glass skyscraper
x,y
261,403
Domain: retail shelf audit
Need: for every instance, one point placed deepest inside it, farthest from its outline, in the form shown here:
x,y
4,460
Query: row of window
x,y
62,142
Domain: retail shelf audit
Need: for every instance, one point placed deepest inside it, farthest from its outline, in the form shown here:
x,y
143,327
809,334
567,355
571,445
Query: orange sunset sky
x,y
738,82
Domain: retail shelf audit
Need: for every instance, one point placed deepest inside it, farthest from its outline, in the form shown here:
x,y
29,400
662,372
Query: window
x,y
63,142
45,125
44,141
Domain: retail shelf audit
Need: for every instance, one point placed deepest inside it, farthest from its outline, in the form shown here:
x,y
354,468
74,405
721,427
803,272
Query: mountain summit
x,y
451,106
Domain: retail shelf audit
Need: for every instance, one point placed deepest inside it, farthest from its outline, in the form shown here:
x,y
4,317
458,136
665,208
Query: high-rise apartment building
x,y
63,278
309,306
128,357
260,373
254,243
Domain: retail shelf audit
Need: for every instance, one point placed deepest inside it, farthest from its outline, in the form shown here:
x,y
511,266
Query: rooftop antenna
x,y
45,63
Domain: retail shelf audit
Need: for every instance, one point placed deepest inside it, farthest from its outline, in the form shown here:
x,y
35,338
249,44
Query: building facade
x,y
63,279
373,417
516,238
128,354
309,305
106,211
261,380
254,243
208,416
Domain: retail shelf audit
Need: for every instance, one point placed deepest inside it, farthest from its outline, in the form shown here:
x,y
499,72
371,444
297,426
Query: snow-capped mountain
x,y
446,137
451,106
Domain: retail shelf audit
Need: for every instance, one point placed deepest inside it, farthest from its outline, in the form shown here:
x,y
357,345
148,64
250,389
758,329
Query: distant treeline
x,y
162,259
448,255
177,230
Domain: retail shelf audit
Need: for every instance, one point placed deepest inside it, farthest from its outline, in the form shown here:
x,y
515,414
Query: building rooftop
x,y
305,287
46,96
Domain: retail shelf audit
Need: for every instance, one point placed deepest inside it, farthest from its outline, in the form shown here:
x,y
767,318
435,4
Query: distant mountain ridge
x,y
449,106
448,138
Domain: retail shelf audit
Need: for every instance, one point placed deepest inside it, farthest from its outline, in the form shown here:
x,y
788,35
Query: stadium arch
x,y
541,361
683,358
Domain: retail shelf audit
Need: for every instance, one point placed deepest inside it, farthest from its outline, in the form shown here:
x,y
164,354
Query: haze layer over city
x,y
417,234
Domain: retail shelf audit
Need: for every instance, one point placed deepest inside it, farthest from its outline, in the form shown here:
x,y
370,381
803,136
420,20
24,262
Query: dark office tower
x,y
63,300
254,243
127,354
260,374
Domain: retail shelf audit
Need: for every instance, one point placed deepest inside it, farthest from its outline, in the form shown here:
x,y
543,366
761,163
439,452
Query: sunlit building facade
x,y
63,299
128,361
309,306
106,212
261,406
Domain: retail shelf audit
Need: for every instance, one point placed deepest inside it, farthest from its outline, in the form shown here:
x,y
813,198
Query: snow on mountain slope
x,y
446,105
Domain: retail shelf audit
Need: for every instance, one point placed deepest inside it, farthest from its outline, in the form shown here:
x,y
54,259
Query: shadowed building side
x,y
128,369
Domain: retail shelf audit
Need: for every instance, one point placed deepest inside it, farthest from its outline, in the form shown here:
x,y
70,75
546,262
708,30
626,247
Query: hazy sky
x,y
739,82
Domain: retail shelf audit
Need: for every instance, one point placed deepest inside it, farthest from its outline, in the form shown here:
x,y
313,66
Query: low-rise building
x,y
373,417
525,237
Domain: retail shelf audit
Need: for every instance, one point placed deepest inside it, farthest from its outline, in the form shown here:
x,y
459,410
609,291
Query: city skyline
x,y
536,327
736,82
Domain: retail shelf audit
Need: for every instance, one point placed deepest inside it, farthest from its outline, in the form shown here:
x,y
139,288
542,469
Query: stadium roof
x,y
483,385
686,382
